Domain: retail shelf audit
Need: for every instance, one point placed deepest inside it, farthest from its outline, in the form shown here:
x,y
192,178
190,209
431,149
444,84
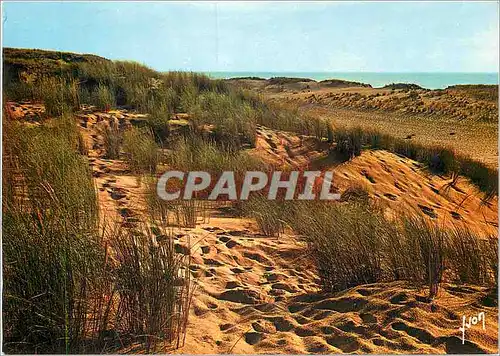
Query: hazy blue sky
x,y
209,36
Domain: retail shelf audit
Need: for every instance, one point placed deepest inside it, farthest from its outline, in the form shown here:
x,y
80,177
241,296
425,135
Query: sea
x,y
434,80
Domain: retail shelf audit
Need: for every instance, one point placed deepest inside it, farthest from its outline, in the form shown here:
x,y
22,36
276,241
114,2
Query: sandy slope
x,y
397,183
256,294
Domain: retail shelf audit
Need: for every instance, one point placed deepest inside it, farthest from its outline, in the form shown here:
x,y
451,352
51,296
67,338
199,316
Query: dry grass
x,y
352,243
153,286
268,215
141,150
113,139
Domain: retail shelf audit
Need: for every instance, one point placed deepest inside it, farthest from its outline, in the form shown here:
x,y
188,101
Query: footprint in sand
x,y
226,326
399,298
351,327
210,273
368,318
272,277
418,333
391,196
281,323
237,270
304,332
224,238
453,345
256,257
117,193
253,337
317,347
342,305
277,292
182,249
239,295
428,211
400,187
212,262
345,343
264,326
231,244
327,330
285,287
455,215
233,284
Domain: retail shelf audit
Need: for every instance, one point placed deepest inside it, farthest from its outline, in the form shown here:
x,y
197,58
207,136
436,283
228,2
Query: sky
x,y
266,36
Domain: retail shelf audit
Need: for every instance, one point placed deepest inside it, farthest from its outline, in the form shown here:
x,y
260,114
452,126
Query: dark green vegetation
x,y
286,80
339,83
64,81
406,86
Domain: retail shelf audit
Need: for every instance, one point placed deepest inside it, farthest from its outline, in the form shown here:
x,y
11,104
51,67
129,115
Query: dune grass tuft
x,y
141,150
353,243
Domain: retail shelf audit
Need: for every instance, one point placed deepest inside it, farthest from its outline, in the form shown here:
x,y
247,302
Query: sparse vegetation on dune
x,y
353,243
470,103
193,154
227,112
113,138
440,160
141,151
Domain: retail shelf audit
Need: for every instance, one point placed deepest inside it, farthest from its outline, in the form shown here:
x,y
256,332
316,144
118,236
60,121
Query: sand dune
x,y
256,294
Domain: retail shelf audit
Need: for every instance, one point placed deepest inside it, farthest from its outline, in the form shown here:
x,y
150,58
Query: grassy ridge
x,y
228,113
351,141
64,82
